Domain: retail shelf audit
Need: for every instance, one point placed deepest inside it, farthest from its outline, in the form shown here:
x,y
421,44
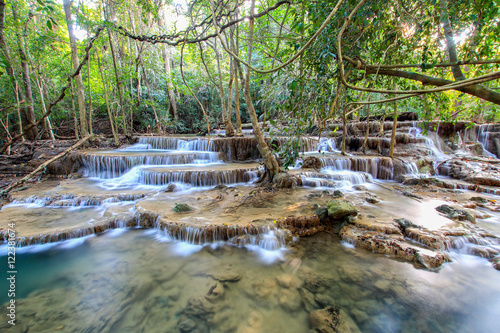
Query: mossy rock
x,y
182,208
338,209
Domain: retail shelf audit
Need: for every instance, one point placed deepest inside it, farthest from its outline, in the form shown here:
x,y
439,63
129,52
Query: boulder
x,y
322,212
286,180
455,213
405,223
338,193
332,320
338,209
182,208
312,162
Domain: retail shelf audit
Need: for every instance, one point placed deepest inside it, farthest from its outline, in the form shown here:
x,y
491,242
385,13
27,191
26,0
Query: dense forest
x,y
120,67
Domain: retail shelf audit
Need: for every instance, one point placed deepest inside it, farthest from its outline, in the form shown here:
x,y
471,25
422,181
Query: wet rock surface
x,y
339,209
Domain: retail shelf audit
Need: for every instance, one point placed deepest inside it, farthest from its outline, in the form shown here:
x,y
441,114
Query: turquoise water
x,y
140,281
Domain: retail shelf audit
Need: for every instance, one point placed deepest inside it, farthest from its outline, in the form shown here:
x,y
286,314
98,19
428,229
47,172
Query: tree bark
x,y
236,84
450,41
270,162
229,125
28,112
74,57
168,71
108,105
476,90
394,128
3,44
118,84
170,85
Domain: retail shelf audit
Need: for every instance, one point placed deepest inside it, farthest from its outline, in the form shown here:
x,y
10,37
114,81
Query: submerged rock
x,y
332,320
171,188
226,276
338,209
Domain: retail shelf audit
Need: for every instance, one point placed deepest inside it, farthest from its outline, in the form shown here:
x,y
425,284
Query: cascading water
x,y
416,132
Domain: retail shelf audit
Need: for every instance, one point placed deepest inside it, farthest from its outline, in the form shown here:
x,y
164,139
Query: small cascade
x,y
109,165
484,137
73,201
266,237
234,148
329,178
478,246
416,132
174,143
196,177
378,167
327,145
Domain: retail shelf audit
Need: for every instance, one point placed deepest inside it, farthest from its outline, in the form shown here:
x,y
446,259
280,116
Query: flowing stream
x,y
150,280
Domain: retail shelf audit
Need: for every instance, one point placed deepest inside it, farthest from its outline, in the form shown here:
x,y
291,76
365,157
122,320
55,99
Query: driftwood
x,y
43,166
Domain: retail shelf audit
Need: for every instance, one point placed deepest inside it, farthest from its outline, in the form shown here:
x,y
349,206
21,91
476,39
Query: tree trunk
x,y
74,57
236,82
28,113
270,162
146,81
344,132
118,84
47,120
168,71
170,85
3,44
394,128
108,105
450,41
239,131
91,131
75,117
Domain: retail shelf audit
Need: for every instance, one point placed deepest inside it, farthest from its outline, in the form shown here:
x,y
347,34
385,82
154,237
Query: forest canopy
x,y
72,68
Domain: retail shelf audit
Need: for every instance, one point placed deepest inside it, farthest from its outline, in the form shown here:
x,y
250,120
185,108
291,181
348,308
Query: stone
x,y
171,188
287,281
359,315
182,208
338,209
311,162
455,213
372,200
324,300
308,299
382,285
360,188
322,212
325,320
338,193
286,180
226,276
199,306
186,325
318,282
290,299
479,200
216,291
405,223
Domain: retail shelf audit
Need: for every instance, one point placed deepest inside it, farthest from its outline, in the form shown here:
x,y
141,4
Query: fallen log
x,y
43,166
